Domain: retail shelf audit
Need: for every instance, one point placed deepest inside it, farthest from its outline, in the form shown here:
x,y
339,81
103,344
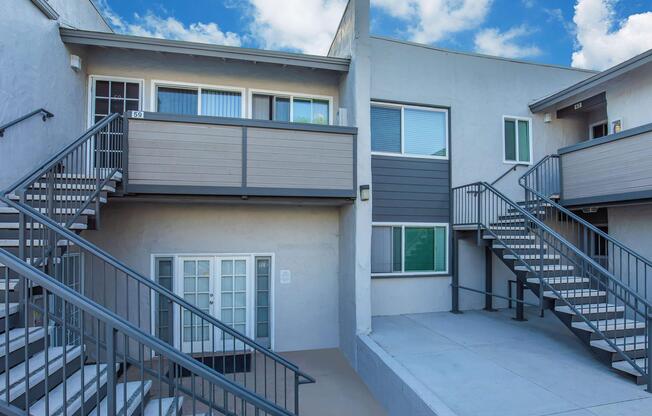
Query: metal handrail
x,y
513,168
476,209
103,314
526,183
44,113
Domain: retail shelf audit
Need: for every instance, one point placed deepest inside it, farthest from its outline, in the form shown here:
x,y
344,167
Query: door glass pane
x,y
234,294
419,249
302,110
282,109
221,103
385,129
196,278
163,275
523,141
176,100
397,247
133,90
320,112
424,132
117,89
261,107
262,300
510,140
101,88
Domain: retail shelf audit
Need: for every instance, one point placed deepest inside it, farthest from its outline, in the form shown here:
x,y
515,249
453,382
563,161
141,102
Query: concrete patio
x,y
484,364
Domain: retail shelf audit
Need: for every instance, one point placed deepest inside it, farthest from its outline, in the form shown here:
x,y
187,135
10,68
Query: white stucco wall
x,y
630,98
479,91
304,240
35,72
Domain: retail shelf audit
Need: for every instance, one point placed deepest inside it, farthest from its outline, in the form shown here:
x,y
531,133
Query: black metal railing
x,y
481,205
45,114
110,351
541,183
70,186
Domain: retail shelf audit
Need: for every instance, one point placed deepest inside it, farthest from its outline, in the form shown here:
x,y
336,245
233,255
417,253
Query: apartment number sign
x,y
137,114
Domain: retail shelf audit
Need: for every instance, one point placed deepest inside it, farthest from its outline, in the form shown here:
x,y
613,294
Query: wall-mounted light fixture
x,y
547,118
75,62
365,192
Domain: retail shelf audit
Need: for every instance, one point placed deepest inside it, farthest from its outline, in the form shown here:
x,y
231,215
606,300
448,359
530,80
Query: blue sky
x,y
592,34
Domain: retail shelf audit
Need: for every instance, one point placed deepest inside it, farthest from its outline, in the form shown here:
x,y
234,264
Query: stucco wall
x,y
304,240
149,66
479,91
630,98
35,72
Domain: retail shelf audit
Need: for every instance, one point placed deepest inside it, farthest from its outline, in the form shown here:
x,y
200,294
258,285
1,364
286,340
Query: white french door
x,y
221,287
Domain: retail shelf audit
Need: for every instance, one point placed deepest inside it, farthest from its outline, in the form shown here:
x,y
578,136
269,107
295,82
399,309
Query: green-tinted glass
x,y
510,140
440,249
523,141
419,249
397,248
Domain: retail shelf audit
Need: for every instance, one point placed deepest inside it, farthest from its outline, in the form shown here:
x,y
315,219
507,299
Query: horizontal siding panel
x,y
184,154
297,159
612,168
410,189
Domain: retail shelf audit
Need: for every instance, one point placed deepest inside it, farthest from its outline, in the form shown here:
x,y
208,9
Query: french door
x,y
221,287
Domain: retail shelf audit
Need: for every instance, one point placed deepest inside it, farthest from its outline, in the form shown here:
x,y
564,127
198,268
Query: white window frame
x,y
415,224
91,93
291,96
597,123
251,257
155,83
402,107
518,118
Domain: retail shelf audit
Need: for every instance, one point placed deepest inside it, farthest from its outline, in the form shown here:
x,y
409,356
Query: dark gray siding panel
x,y
410,189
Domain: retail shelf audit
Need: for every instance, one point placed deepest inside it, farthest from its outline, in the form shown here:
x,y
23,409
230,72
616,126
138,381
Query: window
x,y
290,108
114,96
517,140
409,130
598,129
196,100
263,287
409,249
164,273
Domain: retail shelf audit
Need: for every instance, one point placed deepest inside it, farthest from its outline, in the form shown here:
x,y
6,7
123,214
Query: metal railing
x,y
542,182
481,205
45,114
59,195
111,352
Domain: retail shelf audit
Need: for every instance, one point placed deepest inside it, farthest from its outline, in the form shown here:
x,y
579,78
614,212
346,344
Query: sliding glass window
x,y
409,130
409,249
198,101
517,146
290,108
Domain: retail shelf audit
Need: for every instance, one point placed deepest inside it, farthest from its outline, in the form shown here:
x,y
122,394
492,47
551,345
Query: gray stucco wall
x,y
36,73
304,240
630,98
150,66
479,91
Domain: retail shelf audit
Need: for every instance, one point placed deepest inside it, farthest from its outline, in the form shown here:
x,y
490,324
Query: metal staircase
x,y
595,302
78,332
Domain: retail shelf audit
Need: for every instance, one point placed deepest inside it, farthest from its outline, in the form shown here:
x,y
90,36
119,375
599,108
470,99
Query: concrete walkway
x,y
485,364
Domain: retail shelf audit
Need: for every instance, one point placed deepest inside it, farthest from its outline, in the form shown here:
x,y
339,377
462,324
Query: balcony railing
x,y
614,168
199,155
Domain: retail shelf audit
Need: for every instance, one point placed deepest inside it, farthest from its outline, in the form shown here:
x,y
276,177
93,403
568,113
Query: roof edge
x,y
591,82
91,38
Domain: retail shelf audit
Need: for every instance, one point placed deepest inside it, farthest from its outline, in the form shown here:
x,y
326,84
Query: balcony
x,y
610,169
199,155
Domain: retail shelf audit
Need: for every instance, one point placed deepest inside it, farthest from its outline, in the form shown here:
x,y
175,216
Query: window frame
x,y
402,107
604,122
403,225
517,119
155,83
90,116
291,96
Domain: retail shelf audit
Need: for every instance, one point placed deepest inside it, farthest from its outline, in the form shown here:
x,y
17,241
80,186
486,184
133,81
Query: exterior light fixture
x,y
365,192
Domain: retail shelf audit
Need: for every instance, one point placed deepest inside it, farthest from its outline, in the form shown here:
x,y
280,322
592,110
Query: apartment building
x,y
186,213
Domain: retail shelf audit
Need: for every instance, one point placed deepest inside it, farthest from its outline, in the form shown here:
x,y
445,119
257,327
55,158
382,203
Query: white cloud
x,y
304,25
152,25
432,20
602,41
494,42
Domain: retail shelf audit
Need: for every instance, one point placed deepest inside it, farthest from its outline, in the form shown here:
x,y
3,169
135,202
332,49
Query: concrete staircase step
x,y
37,226
610,325
575,293
17,338
134,398
627,344
167,406
626,367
